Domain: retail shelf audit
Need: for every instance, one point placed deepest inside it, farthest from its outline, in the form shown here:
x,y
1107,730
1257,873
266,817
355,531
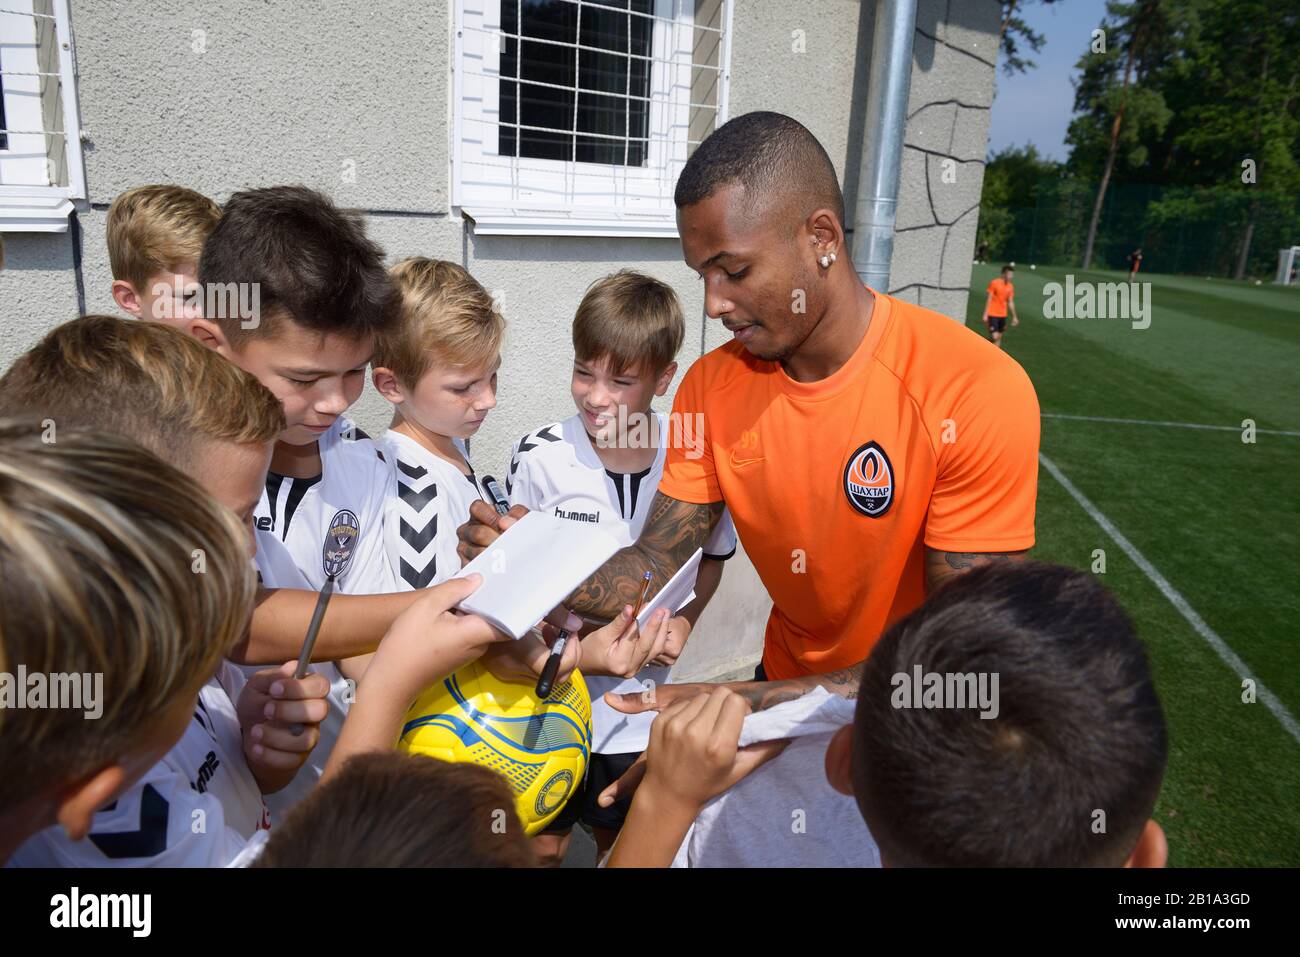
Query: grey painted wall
x,y
353,98
945,144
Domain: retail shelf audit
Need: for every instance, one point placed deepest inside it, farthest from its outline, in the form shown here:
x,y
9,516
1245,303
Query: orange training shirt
x,y
927,435
1002,293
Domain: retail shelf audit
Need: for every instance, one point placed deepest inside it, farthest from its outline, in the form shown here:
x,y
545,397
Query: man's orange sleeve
x,y
689,474
987,482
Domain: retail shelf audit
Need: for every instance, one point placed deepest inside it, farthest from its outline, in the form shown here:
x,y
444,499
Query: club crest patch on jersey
x,y
340,543
869,480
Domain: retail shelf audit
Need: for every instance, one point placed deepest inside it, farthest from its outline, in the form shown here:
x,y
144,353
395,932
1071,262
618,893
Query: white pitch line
x,y
1226,654
1171,425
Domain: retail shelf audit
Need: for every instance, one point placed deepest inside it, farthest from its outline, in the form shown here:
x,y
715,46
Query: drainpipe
x,y
882,141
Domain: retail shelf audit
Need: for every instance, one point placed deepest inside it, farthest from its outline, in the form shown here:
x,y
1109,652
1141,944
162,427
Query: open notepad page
x,y
678,592
533,567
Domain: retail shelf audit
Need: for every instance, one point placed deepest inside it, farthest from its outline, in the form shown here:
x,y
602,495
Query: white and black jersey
x,y
197,807
428,499
297,520
277,569
556,470
350,489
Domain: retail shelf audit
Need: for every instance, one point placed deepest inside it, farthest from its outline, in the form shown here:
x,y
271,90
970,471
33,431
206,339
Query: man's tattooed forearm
x,y
671,534
765,694
941,566
844,682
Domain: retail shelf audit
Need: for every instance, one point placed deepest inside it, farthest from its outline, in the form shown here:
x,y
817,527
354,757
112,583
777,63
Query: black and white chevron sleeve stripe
x,y
417,512
527,444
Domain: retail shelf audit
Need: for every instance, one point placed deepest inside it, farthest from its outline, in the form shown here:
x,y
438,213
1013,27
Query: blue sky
x,y
1035,107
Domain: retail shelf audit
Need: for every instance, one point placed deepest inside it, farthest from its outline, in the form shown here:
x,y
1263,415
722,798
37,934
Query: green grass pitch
x,y
1218,517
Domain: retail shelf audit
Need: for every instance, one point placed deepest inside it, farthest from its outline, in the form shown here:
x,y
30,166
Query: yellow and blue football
x,y
541,747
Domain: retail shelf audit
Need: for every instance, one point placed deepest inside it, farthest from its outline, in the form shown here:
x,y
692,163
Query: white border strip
x,y
1226,654
1171,425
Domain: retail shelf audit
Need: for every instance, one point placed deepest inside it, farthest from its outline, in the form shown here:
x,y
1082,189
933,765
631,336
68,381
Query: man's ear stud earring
x,y
827,260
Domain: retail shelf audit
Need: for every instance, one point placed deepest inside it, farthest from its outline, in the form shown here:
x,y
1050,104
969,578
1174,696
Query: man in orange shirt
x,y
1001,298
867,448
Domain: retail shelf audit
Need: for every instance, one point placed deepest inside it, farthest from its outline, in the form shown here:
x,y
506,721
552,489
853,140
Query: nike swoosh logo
x,y
738,461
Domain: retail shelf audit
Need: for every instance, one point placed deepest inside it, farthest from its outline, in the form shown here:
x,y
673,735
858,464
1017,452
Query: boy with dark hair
x,y
1001,298
1059,767
320,296
375,813
1066,775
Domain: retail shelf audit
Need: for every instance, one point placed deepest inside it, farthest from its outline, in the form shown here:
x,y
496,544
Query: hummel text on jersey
x,y
103,910
209,768
592,517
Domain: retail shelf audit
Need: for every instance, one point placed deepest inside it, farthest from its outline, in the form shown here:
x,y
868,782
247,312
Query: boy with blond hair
x,y
96,560
162,388
437,365
155,386
603,465
155,236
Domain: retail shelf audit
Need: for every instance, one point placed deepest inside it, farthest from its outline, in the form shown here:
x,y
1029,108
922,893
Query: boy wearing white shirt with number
x,y
602,466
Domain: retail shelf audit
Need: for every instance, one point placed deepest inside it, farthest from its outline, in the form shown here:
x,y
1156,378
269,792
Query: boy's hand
x,y
428,641
272,706
693,754
621,649
483,528
679,629
523,660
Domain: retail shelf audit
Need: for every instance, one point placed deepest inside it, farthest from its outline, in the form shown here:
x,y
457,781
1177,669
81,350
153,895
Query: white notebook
x,y
533,567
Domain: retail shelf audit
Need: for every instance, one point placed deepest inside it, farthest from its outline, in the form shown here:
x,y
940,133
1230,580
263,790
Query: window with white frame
x,y
40,144
575,117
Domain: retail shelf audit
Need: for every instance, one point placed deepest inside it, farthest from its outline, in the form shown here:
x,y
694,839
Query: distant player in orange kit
x,y
1001,298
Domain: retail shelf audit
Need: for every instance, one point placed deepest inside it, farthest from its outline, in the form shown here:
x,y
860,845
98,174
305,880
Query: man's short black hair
x,y
1079,729
772,155
310,259
1008,268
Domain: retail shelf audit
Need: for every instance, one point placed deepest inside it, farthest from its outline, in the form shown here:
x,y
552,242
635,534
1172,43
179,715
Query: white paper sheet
x,y
679,591
533,567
